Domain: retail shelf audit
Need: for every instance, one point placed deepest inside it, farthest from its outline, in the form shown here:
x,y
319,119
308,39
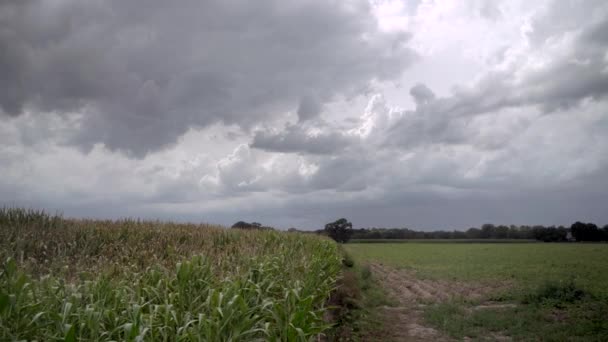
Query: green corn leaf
x,y
4,302
70,335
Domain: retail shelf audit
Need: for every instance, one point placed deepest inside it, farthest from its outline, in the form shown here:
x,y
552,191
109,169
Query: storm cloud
x,y
141,73
427,114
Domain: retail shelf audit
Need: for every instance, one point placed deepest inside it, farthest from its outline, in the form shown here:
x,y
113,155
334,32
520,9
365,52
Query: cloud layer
x,y
141,73
432,114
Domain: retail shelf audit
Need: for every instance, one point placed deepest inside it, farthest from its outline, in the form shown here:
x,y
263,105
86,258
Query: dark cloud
x,y
295,139
422,94
143,72
343,174
525,142
309,108
562,16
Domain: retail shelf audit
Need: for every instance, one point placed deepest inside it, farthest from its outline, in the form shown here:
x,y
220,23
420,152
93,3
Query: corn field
x,y
131,280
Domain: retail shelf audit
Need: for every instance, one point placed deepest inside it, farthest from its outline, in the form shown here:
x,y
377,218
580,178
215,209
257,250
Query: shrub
x,y
347,260
556,293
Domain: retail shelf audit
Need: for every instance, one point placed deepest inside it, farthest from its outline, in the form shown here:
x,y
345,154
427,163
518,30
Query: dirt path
x,y
404,322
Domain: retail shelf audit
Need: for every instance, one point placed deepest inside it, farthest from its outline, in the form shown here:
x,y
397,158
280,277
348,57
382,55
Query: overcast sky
x,y
428,114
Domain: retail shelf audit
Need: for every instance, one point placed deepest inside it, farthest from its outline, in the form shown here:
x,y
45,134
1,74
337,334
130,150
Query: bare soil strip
x,y
404,322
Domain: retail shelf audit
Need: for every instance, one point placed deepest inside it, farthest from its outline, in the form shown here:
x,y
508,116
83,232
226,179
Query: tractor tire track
x,y
404,322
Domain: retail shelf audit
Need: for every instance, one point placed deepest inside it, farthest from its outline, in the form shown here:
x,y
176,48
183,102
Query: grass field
x,y
72,280
553,291
393,241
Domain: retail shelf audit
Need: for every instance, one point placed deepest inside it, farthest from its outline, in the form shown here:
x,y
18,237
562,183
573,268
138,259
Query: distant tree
x,y
585,232
242,225
473,233
487,231
340,230
501,232
252,225
459,235
550,234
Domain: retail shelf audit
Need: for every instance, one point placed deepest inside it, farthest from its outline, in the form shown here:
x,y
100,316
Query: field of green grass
x,y
77,280
558,291
442,241
525,264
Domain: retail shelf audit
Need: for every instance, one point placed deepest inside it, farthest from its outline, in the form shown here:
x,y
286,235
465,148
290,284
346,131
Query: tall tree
x,y
340,230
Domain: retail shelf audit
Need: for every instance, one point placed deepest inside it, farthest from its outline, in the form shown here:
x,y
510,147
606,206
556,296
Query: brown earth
x,y
404,322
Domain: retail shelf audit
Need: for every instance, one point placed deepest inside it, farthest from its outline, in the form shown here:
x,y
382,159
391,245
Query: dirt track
x,y
404,322
406,287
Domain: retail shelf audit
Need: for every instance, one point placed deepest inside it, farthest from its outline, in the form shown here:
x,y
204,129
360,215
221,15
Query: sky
x,y
428,114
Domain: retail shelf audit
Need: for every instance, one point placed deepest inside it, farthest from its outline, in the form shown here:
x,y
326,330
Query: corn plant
x,y
131,280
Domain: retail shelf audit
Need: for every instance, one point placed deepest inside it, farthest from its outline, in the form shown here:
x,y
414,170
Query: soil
x,y
404,322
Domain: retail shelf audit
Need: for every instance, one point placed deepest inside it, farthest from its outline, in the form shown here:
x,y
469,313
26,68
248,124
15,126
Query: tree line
x,y
578,231
342,231
250,226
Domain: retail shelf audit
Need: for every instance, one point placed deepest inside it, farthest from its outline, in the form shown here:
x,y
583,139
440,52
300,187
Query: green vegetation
x,y
442,241
585,321
550,292
340,230
524,264
578,231
356,302
129,280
